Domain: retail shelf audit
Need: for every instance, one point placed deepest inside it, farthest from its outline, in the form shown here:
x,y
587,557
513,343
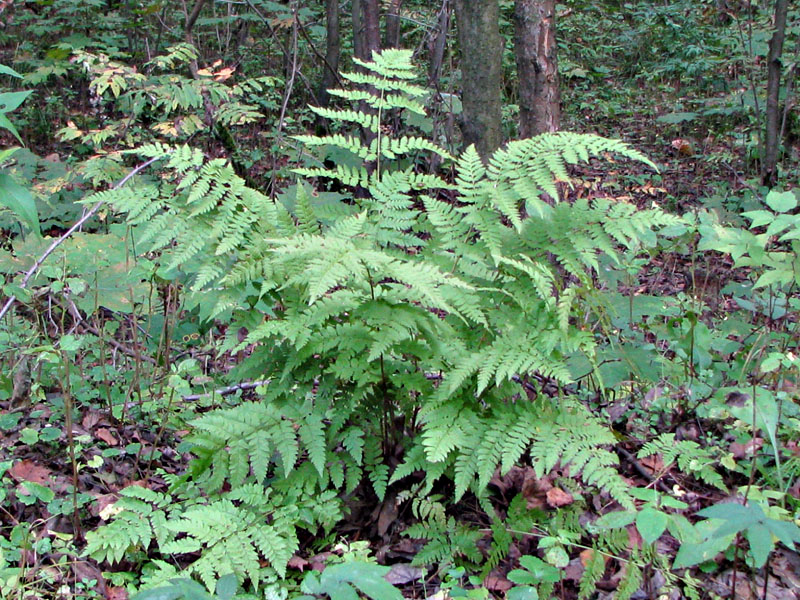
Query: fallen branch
x,y
226,391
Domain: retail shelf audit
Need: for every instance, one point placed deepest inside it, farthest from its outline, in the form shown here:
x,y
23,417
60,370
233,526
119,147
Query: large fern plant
x,y
411,316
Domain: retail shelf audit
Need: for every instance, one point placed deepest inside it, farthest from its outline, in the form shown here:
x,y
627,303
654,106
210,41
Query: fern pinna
x,y
407,314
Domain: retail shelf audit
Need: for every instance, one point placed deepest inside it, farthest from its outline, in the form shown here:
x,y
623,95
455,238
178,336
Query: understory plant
x,y
405,322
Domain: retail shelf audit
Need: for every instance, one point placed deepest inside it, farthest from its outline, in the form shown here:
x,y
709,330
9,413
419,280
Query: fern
x,y
688,455
405,299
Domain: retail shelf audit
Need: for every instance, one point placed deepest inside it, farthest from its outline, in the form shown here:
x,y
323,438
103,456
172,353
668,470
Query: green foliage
x,y
14,196
391,303
183,106
688,455
340,581
534,573
772,242
10,101
730,519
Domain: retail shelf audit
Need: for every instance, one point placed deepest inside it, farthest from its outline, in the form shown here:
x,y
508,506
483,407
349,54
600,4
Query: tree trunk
x,y
366,28
481,73
330,69
438,45
769,171
537,66
392,36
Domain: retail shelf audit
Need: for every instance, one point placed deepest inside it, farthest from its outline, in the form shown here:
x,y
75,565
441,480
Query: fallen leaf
x,y
224,74
746,450
534,490
297,562
105,435
403,573
556,497
101,501
116,593
574,570
388,513
27,470
634,539
90,419
87,572
653,463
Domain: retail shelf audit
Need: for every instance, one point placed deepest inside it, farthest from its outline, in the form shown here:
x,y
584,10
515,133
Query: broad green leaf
x,y
772,362
6,154
523,577
761,545
522,593
367,577
651,523
742,516
645,494
341,591
759,218
11,100
9,126
557,556
227,586
179,589
786,531
677,117
20,201
781,201
691,554
616,519
4,70
540,569
673,502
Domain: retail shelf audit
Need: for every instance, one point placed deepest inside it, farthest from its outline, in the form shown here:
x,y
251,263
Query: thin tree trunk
x,y
372,27
438,45
537,66
358,29
481,73
330,69
769,173
392,36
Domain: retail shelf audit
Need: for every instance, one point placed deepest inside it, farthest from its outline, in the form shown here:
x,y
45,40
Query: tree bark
x,y
330,69
358,29
391,38
481,73
438,44
769,170
537,66
366,28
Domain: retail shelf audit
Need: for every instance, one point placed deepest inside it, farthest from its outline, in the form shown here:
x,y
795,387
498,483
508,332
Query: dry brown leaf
x,y
746,450
297,562
27,470
403,573
653,463
556,497
90,419
388,514
634,539
105,435
574,570
534,490
496,583
224,74
116,593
